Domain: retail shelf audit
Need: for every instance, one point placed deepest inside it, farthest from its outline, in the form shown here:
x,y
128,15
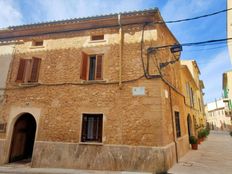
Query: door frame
x,y
31,119
14,114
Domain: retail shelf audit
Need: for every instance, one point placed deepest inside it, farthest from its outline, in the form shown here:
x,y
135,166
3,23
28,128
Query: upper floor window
x,y
37,43
92,127
97,37
28,70
91,67
199,101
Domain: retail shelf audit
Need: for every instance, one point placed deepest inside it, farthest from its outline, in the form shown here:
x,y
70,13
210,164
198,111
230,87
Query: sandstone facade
x,y
138,131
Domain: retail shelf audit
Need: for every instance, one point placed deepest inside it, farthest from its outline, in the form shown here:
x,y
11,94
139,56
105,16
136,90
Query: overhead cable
x,y
194,18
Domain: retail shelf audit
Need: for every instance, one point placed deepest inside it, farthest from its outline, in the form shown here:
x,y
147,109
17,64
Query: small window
x,y
37,43
91,67
92,128
2,127
97,37
28,70
177,120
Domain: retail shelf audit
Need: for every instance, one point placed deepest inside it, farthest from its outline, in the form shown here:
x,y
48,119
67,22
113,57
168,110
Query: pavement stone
x,y
214,156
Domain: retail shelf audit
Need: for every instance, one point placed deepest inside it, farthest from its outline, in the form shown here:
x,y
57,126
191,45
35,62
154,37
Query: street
x,y
213,156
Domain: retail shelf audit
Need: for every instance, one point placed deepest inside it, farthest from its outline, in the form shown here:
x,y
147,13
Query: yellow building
x,y
192,88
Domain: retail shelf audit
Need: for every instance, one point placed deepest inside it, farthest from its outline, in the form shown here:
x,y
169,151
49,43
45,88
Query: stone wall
x,y
114,157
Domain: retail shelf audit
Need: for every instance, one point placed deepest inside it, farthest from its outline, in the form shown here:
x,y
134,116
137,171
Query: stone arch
x,y
23,137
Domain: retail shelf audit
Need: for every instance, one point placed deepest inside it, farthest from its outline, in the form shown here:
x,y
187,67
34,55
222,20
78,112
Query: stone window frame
x,y
99,139
85,67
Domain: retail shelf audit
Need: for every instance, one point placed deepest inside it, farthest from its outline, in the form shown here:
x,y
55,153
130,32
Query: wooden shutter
x,y
100,128
84,128
84,67
35,69
21,70
99,68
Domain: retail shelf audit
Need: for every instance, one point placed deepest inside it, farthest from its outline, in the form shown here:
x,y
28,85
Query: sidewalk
x,y
26,169
214,156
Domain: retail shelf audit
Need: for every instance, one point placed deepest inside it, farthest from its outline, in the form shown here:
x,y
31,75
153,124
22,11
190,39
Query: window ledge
x,y
28,84
35,47
91,143
97,41
93,81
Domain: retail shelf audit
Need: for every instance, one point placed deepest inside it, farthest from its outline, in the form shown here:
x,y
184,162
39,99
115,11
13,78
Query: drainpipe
x,y
120,51
173,125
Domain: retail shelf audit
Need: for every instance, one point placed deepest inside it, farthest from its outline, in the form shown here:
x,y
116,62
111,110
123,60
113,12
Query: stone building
x,y
93,93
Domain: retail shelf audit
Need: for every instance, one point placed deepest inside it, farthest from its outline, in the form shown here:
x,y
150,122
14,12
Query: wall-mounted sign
x,y
138,91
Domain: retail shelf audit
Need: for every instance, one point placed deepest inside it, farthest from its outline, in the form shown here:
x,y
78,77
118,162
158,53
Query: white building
x,y
217,115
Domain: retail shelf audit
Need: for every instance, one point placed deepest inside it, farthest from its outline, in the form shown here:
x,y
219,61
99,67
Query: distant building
x,y
218,116
227,87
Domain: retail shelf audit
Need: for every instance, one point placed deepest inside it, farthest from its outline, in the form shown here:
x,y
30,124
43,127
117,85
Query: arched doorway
x,y
23,138
189,122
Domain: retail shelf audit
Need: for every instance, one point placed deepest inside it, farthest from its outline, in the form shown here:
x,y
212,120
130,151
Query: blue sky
x,y
212,62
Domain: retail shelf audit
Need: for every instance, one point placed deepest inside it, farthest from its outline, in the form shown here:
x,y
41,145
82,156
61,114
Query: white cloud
x,y
178,9
9,14
212,74
61,9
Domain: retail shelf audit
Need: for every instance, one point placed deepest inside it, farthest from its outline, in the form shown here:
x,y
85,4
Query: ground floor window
x,y
177,120
92,127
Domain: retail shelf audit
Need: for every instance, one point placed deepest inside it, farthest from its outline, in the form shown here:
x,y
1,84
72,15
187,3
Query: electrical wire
x,y
28,85
201,43
112,26
194,18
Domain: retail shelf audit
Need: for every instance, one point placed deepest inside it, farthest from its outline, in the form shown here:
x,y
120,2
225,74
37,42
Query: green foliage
x,y
200,134
203,133
192,140
207,131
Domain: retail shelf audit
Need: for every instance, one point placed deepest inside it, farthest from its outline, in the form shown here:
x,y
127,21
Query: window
x,y
91,67
199,101
28,70
177,120
191,97
97,37
2,127
92,128
37,43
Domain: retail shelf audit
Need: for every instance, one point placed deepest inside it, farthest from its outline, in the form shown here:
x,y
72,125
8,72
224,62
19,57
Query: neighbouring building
x,y
229,27
6,56
192,88
218,116
96,93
